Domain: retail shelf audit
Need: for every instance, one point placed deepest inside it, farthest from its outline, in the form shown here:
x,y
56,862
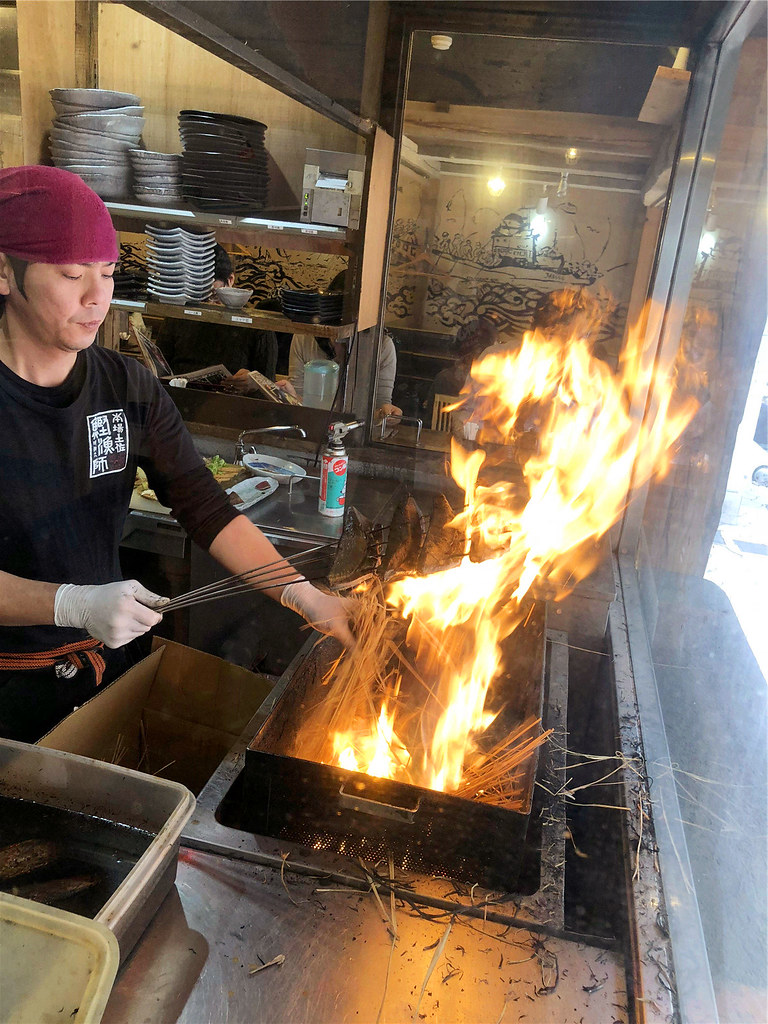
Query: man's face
x,y
65,304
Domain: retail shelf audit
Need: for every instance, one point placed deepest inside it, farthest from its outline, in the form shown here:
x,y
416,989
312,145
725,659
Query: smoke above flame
x,y
559,449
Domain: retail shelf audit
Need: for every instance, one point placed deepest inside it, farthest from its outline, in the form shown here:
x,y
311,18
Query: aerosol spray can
x,y
333,472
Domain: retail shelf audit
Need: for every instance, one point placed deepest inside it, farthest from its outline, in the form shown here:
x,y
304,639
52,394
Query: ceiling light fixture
x,y
440,42
571,155
496,185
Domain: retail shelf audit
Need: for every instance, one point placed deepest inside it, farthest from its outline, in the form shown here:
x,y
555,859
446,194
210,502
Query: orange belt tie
x,y
66,659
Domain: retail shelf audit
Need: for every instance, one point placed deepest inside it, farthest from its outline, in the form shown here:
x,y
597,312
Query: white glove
x,y
326,612
114,613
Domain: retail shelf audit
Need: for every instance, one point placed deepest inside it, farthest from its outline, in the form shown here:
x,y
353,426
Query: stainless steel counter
x,y
226,917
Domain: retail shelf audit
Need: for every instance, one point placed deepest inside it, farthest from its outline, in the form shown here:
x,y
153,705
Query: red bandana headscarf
x,y
48,215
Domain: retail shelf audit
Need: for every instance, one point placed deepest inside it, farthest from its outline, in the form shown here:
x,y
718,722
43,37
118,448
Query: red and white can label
x,y
333,483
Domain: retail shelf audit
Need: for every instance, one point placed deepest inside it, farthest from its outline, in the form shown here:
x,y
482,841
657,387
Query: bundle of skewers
x,y
410,543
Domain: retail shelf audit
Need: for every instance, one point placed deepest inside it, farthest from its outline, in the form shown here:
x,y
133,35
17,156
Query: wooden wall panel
x,y
170,73
46,31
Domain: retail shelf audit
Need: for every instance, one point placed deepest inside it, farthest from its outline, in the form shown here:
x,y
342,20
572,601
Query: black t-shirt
x,y
68,458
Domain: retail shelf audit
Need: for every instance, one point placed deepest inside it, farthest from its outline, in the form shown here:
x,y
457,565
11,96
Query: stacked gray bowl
x,y
157,177
93,134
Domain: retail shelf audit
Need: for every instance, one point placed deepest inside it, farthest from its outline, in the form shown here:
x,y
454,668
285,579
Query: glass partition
x,y
527,166
703,564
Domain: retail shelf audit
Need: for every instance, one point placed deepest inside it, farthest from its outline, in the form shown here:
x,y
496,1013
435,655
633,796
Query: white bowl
x,y
234,298
100,98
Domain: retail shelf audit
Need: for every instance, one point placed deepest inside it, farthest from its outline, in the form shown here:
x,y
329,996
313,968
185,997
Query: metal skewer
x,y
258,575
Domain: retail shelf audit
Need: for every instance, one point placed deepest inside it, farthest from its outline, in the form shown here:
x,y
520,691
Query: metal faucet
x,y
240,448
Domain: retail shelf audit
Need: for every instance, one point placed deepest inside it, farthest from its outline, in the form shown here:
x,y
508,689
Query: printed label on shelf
x,y
241,319
274,227
309,231
226,220
193,312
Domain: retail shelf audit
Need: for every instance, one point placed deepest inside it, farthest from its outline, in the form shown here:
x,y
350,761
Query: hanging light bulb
x,y
571,155
496,185
562,188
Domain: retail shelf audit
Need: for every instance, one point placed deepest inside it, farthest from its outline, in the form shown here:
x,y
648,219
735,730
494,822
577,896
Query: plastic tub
x,y
79,784
321,379
54,966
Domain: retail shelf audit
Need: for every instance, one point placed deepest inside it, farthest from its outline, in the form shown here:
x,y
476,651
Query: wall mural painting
x,y
500,264
267,271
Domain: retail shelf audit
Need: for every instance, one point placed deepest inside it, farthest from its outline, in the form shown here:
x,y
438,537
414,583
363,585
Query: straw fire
x,y
576,479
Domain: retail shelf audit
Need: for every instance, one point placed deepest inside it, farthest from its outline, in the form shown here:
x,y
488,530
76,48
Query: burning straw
x,y
365,723
415,709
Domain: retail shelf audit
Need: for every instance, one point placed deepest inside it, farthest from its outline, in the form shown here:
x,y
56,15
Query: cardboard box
x,y
176,714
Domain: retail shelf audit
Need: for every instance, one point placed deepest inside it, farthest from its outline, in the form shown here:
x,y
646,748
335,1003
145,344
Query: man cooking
x,y
75,421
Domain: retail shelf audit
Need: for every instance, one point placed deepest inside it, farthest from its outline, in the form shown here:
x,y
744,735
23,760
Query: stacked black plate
x,y
224,164
312,307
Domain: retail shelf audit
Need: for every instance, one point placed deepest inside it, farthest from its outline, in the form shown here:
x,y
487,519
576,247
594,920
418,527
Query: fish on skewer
x,y
25,857
444,544
405,538
54,890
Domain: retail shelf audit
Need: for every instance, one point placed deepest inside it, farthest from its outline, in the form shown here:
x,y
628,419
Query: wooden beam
x,y
373,62
375,237
493,124
46,32
666,96
188,23
87,44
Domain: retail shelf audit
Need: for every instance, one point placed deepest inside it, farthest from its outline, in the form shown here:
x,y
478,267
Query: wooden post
x,y
87,44
46,32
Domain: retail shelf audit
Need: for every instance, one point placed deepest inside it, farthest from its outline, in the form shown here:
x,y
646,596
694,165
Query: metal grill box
x,y
326,807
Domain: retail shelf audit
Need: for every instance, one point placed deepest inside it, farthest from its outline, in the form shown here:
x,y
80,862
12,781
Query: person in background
x,y
189,346
306,347
471,339
76,420
565,313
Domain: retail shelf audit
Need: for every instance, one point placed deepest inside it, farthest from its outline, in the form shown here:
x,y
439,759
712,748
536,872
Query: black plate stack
x,y
312,307
224,164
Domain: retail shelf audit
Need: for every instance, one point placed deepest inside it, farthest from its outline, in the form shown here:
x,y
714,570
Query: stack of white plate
x,y
156,177
180,264
92,135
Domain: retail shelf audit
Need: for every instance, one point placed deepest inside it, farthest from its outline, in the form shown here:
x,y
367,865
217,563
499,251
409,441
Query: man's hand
x,y
114,613
326,612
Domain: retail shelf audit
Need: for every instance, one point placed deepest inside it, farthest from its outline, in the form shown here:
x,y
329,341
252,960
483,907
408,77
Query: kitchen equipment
x,y
333,474
321,380
332,188
324,807
156,808
54,965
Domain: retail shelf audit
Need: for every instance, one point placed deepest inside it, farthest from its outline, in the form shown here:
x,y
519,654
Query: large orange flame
x,y
571,418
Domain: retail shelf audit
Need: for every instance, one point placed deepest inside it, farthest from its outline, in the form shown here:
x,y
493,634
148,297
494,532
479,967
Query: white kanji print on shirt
x,y
108,442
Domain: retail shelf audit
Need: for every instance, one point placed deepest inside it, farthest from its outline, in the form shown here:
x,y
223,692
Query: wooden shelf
x,y
270,231
255,319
